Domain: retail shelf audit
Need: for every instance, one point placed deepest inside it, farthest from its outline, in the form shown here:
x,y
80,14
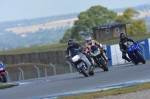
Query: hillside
x,y
47,30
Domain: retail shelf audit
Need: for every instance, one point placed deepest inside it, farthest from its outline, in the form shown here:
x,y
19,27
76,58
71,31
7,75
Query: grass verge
x,y
61,46
115,91
3,86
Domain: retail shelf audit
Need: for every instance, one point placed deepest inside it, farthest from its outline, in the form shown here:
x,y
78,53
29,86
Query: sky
x,y
11,10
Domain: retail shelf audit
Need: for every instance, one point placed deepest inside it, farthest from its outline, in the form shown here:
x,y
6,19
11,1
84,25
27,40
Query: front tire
x,y
140,57
104,66
83,71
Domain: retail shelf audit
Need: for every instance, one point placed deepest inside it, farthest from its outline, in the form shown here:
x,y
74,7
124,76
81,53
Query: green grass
x,y
3,86
64,45
35,49
115,91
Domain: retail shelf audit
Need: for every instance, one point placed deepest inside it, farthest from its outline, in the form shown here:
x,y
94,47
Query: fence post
x,y
125,62
7,76
21,73
54,68
38,71
45,72
70,66
19,76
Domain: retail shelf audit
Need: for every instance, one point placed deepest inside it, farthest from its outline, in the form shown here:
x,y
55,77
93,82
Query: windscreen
x,y
94,48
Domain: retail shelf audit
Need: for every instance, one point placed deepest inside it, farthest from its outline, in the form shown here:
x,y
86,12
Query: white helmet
x,y
88,39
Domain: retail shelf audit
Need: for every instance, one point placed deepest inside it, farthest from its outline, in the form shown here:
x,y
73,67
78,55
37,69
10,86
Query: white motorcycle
x,y
81,62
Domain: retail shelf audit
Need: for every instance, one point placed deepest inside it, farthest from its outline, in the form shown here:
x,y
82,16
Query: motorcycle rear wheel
x,y
91,73
136,63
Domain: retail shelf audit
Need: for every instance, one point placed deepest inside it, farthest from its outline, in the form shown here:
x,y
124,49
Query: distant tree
x,y
96,15
136,26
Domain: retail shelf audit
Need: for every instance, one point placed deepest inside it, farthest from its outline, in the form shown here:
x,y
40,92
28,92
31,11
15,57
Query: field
x,y
49,25
59,23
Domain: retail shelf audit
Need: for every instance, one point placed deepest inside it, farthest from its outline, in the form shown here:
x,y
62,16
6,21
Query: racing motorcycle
x,y
2,73
134,53
95,53
81,62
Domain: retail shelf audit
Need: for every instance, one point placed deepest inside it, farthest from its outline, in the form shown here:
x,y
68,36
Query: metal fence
x,y
36,71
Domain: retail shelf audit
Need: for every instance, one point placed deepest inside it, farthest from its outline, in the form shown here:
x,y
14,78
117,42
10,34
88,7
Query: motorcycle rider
x,y
123,48
72,44
90,42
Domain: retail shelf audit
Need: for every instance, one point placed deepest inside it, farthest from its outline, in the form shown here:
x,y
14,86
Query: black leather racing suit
x,y
123,47
75,45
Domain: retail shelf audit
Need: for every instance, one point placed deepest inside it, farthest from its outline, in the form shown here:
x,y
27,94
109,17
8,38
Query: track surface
x,y
76,82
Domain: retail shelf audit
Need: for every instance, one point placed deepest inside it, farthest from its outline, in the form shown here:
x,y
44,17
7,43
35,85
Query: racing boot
x,y
105,57
126,58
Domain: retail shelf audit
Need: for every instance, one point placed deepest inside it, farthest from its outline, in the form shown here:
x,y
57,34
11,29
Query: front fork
x,y
92,60
97,61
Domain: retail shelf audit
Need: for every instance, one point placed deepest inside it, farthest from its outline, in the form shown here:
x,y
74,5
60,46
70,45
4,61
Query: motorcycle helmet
x,y
88,40
122,36
70,42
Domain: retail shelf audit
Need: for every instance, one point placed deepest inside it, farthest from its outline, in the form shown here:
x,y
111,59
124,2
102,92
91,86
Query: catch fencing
x,y
35,71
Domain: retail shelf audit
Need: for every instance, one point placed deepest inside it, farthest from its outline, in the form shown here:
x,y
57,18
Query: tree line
x,y
10,40
99,15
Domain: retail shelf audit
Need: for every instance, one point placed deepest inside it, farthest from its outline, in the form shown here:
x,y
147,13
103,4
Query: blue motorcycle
x,y
134,53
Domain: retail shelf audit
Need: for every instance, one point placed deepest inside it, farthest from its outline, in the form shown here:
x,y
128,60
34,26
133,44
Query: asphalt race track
x,y
46,86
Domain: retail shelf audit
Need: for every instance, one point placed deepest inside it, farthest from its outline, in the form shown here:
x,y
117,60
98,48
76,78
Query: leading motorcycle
x,y
81,62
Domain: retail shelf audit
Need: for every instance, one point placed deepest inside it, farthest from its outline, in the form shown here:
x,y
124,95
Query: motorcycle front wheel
x,y
83,71
105,68
141,57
